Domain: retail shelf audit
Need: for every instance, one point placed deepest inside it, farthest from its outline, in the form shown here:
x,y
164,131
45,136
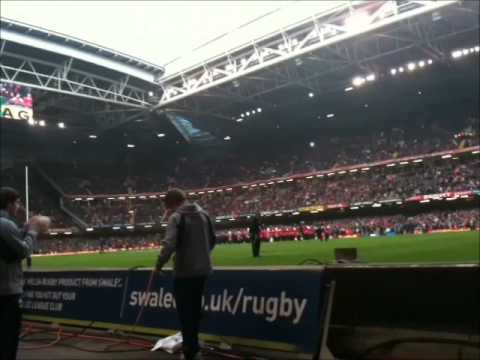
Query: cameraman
x,y
191,236
15,245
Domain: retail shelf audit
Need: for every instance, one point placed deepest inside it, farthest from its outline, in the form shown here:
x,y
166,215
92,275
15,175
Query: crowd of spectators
x,y
193,170
76,244
320,230
379,183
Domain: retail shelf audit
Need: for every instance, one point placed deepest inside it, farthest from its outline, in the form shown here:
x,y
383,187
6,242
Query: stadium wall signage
x,y
261,308
15,112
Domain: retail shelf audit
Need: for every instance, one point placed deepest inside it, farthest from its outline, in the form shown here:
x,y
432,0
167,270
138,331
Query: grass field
x,y
419,249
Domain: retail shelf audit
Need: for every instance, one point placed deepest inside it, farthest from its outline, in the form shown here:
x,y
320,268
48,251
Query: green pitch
x,y
418,249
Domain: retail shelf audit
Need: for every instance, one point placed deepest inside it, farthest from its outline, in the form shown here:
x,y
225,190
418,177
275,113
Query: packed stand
x,y
194,171
378,183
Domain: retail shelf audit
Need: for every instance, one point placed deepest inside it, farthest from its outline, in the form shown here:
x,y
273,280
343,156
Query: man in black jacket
x,y
15,245
190,234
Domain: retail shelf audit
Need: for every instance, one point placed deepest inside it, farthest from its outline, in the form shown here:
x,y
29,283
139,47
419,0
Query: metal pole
x,y
27,207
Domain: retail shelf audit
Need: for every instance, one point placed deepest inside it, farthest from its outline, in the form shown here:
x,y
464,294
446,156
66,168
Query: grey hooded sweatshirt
x,y
190,234
15,245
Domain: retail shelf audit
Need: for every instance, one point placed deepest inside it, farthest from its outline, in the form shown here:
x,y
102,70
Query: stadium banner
x,y
261,308
15,102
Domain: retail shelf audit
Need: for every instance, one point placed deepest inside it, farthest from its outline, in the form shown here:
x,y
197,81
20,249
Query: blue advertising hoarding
x,y
262,307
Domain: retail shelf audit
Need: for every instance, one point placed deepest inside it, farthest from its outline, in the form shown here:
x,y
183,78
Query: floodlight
x,y
393,71
311,94
61,125
42,123
421,63
411,66
358,81
370,77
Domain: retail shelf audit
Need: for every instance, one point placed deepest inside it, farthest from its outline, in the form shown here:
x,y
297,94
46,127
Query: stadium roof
x,y
175,34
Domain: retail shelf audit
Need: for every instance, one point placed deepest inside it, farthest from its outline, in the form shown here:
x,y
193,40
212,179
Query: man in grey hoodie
x,y
15,245
190,234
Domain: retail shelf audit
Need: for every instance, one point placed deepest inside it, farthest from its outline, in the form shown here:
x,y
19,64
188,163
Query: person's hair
x,y
174,198
8,196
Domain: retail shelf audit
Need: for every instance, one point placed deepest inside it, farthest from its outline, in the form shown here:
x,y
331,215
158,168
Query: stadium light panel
x,y
477,49
331,115
465,51
253,112
358,81
289,180
312,144
229,189
404,163
354,208
319,175
68,233
92,136
131,146
370,77
418,160
147,226
476,152
401,69
347,89
425,201
247,113
419,92
311,95
353,170
295,213
447,156
53,233
239,120
150,93
116,228
457,54
393,71
242,115
411,66
61,125
331,174
31,122
227,138
259,110
42,123
421,64
342,172
89,229
161,135
365,169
